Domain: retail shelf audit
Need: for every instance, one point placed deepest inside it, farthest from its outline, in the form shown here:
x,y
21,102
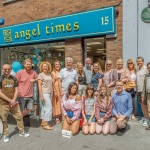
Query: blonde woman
x,y
57,112
45,91
120,68
129,75
110,75
103,111
81,78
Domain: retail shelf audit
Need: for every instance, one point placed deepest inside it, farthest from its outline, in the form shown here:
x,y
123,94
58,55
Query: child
x,y
88,111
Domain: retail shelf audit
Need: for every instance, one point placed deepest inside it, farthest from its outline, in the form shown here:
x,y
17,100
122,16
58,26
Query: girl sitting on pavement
x,y
103,111
88,111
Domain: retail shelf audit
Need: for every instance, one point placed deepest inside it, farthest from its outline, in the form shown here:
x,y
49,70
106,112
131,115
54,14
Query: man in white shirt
x,y
141,72
67,75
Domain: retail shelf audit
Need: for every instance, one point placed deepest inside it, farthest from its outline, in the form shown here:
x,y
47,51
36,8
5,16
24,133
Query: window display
x,y
38,53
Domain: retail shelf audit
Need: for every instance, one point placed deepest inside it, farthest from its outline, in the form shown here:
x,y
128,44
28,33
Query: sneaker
x,y
6,138
24,134
145,124
141,121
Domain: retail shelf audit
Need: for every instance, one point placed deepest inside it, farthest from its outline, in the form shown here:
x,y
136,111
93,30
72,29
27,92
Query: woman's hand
x,y
43,101
89,122
85,122
101,121
68,120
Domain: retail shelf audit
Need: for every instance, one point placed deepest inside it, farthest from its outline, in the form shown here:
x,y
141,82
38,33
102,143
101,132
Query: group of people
x,y
87,97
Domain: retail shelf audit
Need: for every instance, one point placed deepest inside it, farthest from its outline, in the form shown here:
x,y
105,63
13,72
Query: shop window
x,y
95,48
38,53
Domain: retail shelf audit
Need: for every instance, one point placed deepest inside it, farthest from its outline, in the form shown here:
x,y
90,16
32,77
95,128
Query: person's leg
x,y
29,107
92,128
85,129
22,104
74,128
65,125
122,124
18,117
4,110
113,126
106,128
98,128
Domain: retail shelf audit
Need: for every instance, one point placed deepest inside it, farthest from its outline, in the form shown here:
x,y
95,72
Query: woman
x,y
110,76
129,78
45,91
120,68
103,111
57,112
88,111
81,78
97,76
71,107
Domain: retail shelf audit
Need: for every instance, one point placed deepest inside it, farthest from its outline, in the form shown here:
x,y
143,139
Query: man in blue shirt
x,y
122,109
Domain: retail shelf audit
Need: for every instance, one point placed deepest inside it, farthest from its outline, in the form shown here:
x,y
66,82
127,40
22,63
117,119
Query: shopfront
x,y
76,35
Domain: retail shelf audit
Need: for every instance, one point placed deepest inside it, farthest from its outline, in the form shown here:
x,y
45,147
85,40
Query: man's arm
x,y
15,94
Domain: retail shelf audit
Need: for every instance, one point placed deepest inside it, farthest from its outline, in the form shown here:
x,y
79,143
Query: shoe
x,y
141,121
47,127
145,124
24,134
123,130
148,128
6,138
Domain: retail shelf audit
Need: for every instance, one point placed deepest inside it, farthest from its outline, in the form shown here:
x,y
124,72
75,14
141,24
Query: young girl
x,y
71,107
88,111
103,111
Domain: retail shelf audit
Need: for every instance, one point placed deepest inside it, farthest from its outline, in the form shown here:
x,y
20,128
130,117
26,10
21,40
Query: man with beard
x,y
26,78
8,103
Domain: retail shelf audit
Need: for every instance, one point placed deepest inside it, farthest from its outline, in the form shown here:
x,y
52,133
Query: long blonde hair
x,y
77,69
118,62
134,66
107,94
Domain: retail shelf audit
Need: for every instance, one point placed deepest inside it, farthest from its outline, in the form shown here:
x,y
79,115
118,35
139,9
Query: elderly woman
x,y
71,107
45,91
110,76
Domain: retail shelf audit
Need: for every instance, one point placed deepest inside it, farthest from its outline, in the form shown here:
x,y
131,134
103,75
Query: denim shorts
x,y
102,114
88,118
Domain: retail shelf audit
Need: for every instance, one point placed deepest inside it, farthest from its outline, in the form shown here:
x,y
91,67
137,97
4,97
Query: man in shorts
x,y
26,79
8,103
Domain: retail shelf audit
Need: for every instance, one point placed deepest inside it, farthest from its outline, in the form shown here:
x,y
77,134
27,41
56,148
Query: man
x,y
88,70
146,95
8,103
67,75
122,109
141,72
26,78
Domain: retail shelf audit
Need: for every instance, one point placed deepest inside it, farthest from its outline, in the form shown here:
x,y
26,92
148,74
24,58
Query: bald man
x,y
8,103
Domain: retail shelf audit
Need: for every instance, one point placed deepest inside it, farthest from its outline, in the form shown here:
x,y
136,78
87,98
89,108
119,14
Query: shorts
x,y
139,98
70,114
88,118
25,103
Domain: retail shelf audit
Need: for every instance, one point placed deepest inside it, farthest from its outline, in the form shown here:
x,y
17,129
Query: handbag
x,y
129,85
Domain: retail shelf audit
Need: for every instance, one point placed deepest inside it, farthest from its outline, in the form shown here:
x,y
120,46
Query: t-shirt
x,y
25,88
46,83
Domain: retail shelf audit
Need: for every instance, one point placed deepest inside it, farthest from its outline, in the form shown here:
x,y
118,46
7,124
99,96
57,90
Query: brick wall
x,y
30,10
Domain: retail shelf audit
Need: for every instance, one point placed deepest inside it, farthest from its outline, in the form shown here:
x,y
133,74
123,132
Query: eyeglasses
x,y
108,64
7,69
130,63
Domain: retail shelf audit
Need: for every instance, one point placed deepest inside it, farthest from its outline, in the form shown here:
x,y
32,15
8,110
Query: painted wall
x,y
136,33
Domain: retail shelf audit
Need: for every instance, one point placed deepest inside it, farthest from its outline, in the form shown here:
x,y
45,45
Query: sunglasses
x,y
7,69
130,63
108,64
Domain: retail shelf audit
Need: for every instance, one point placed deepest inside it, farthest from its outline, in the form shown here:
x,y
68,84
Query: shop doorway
x,y
95,48
37,53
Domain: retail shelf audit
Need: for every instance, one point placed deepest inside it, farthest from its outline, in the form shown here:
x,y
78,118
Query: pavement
x,y
135,138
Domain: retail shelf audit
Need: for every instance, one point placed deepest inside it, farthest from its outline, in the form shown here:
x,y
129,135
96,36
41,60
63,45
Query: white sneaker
x,y
6,138
145,124
24,134
141,121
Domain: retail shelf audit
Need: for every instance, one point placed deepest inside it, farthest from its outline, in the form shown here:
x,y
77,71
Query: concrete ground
x,y
136,138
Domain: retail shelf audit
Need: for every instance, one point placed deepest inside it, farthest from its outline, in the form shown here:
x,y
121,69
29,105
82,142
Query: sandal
x,y
58,121
47,127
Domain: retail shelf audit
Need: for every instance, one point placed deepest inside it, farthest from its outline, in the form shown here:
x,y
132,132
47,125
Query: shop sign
x,y
91,23
145,16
